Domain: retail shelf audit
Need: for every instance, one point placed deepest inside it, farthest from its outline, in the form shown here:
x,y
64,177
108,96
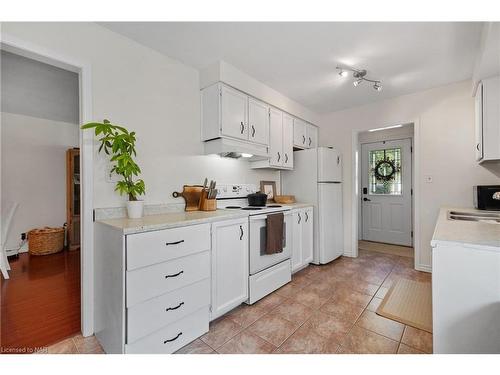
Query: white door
x,y
386,192
276,138
297,217
234,113
312,136
258,121
299,133
229,265
287,141
329,165
307,236
330,227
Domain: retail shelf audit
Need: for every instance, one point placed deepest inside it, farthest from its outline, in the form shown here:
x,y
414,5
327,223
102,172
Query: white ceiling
x,y
299,58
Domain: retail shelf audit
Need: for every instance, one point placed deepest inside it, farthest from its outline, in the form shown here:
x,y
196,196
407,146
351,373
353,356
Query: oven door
x,y
259,260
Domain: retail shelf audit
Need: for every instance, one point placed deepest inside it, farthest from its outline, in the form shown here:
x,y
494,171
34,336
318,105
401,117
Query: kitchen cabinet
x,y
233,113
302,250
487,108
229,265
312,136
299,133
258,121
280,142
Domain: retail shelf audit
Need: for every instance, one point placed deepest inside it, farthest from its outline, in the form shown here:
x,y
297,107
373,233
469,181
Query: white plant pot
x,y
135,209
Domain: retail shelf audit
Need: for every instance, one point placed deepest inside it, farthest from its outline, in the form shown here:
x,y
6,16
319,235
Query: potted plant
x,y
119,143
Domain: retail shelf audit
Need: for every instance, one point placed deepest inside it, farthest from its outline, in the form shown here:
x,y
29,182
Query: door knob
x,y
367,200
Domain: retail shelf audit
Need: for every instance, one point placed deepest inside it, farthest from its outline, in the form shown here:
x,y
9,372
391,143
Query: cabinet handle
x,y
286,158
307,216
477,146
253,131
300,218
174,275
310,140
303,139
174,243
242,127
174,308
338,160
279,156
175,338
241,233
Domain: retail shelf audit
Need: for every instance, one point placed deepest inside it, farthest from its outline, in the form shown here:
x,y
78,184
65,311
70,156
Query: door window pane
x,y
385,171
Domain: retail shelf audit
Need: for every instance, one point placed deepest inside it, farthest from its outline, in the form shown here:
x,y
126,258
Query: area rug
x,y
402,251
409,302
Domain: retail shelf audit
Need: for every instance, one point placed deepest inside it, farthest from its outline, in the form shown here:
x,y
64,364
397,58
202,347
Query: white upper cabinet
x,y
258,121
487,102
312,136
299,133
276,138
287,141
234,113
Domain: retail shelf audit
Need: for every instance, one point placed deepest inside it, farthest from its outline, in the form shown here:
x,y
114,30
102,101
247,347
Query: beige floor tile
x,y
374,304
245,315
310,298
382,292
418,339
196,347
300,279
365,287
289,290
379,324
347,311
344,296
304,341
246,343
405,349
292,311
63,347
362,341
329,326
87,345
273,329
270,302
221,331
323,288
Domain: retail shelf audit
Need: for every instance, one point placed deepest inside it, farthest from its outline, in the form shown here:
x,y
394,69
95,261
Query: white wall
x,y
34,171
150,93
446,118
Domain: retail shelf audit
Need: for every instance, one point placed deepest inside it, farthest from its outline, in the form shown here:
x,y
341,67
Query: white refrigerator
x,y
317,178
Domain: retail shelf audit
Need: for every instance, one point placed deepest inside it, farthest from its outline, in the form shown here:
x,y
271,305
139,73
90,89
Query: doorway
x,y
41,292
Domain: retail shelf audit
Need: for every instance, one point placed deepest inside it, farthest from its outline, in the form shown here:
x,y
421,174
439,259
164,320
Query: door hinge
x,y
220,92
93,216
411,148
411,191
411,234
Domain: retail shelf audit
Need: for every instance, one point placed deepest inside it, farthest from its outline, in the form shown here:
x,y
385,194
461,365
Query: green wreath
x,y
385,170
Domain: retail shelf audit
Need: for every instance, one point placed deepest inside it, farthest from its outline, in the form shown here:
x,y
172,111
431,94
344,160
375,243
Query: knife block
x,y
207,204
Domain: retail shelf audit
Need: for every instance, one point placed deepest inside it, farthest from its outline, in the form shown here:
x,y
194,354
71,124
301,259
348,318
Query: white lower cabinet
x,y
229,265
302,250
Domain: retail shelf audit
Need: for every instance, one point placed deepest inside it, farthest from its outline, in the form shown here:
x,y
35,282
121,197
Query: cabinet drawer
x,y
173,337
144,249
267,281
152,281
147,317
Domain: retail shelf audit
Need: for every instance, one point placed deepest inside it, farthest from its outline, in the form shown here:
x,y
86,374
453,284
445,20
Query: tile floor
x,y
325,309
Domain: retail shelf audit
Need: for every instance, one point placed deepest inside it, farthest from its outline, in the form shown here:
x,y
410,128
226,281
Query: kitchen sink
x,y
476,214
486,217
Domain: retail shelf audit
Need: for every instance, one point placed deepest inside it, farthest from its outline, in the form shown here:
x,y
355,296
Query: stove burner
x,y
233,207
252,208
274,206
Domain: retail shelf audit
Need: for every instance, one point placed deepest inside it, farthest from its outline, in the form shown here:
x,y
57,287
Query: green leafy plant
x,y
119,143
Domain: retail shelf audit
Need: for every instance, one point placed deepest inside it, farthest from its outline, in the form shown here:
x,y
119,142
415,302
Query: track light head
x,y
377,86
357,82
343,73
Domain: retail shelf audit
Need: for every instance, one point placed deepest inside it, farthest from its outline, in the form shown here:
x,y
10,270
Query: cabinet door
x,y
234,113
307,236
299,133
276,138
229,265
258,121
479,121
287,141
312,136
297,219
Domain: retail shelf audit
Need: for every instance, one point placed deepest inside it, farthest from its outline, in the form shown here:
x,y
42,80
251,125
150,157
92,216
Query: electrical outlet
x,y
428,179
110,177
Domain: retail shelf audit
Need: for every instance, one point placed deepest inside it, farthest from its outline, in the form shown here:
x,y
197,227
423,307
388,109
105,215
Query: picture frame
x,y
268,188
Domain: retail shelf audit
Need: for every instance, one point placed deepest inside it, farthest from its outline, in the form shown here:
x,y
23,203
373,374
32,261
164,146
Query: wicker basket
x,y
46,241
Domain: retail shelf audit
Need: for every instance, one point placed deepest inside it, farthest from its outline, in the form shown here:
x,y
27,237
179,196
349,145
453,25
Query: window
x,y
385,171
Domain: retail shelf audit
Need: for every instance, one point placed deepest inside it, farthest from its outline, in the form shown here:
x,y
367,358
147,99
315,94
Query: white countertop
x,y
478,233
179,219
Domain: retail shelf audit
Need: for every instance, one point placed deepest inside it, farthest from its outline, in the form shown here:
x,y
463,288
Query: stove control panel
x,y
235,190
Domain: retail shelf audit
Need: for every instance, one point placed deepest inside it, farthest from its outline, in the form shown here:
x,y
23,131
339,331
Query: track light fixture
x,y
359,76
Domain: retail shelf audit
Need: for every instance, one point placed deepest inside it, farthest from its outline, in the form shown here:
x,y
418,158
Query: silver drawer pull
x,y
175,338
174,243
174,308
174,275
307,217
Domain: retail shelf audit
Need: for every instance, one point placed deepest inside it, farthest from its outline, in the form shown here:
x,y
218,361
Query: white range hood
x,y
235,149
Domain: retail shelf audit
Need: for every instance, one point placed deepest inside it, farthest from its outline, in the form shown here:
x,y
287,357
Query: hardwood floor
x,y
40,303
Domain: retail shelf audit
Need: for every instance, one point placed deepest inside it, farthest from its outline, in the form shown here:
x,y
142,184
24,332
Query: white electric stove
x,y
267,272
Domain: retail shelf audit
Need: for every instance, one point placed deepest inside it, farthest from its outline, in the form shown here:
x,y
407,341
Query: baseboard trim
x,y
423,268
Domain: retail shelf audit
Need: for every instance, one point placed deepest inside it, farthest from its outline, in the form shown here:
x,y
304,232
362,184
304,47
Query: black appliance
x,y
257,199
487,197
